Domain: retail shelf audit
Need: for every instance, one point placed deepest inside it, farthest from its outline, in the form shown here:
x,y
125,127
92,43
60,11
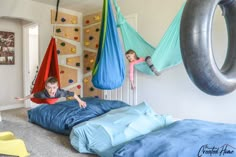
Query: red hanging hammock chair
x,y
49,67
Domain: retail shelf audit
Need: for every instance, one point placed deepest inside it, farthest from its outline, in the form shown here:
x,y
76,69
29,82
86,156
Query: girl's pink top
x,y
131,67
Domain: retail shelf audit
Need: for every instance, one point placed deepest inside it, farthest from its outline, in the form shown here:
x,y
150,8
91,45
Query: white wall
x,y
11,75
21,11
31,11
173,92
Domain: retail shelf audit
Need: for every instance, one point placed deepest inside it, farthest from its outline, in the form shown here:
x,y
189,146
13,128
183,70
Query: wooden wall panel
x,y
63,18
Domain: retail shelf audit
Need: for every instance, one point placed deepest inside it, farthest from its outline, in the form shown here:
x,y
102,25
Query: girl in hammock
x,y
134,59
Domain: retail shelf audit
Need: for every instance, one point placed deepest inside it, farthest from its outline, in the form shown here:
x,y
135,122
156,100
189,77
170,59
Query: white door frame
x,y
26,69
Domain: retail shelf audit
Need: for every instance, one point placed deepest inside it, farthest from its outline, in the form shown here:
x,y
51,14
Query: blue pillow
x,y
100,134
62,116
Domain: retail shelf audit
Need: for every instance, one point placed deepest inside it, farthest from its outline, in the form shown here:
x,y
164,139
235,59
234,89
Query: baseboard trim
x,y
11,106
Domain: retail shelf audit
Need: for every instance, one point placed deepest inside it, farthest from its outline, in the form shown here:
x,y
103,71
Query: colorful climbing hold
x,y
58,51
87,22
88,68
73,50
76,38
76,29
91,89
58,30
87,30
73,21
96,18
97,29
86,43
96,45
91,61
86,56
63,44
70,81
77,64
70,98
79,86
85,80
63,19
62,72
91,38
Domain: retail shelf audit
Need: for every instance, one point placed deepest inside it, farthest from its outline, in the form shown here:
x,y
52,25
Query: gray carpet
x,y
39,142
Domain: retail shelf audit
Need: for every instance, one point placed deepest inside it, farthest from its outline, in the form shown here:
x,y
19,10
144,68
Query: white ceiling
x,y
84,6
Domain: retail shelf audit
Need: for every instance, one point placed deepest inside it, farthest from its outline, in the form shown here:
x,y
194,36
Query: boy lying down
x,y
53,91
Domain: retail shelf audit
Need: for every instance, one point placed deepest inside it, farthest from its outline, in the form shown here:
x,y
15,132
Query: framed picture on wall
x,y
7,48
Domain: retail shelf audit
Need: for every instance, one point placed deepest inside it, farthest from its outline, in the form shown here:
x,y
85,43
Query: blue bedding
x,y
186,138
99,135
62,116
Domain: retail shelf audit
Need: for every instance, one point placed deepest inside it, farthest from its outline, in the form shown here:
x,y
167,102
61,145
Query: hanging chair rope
x,y
56,16
58,1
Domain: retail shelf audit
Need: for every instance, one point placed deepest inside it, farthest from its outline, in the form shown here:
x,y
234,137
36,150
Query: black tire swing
x,y
196,46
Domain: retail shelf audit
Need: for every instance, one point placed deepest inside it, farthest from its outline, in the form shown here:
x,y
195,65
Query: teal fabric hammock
x,y
165,55
109,70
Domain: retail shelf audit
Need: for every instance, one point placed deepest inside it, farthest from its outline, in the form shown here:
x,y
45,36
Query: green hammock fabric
x,y
165,55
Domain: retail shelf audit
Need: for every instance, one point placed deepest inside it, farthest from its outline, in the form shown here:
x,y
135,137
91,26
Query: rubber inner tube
x,y
196,46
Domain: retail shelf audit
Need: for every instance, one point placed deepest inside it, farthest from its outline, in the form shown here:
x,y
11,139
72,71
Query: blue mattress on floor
x,y
185,138
62,116
100,134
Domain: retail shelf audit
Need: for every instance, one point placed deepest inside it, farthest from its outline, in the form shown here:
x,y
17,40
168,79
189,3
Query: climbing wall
x,y
91,36
76,89
63,18
89,89
65,48
68,76
89,61
91,32
91,19
67,33
73,61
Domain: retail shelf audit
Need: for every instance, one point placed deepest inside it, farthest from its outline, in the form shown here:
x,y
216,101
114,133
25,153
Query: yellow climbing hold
x,y
96,18
86,43
73,21
85,80
73,50
70,98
